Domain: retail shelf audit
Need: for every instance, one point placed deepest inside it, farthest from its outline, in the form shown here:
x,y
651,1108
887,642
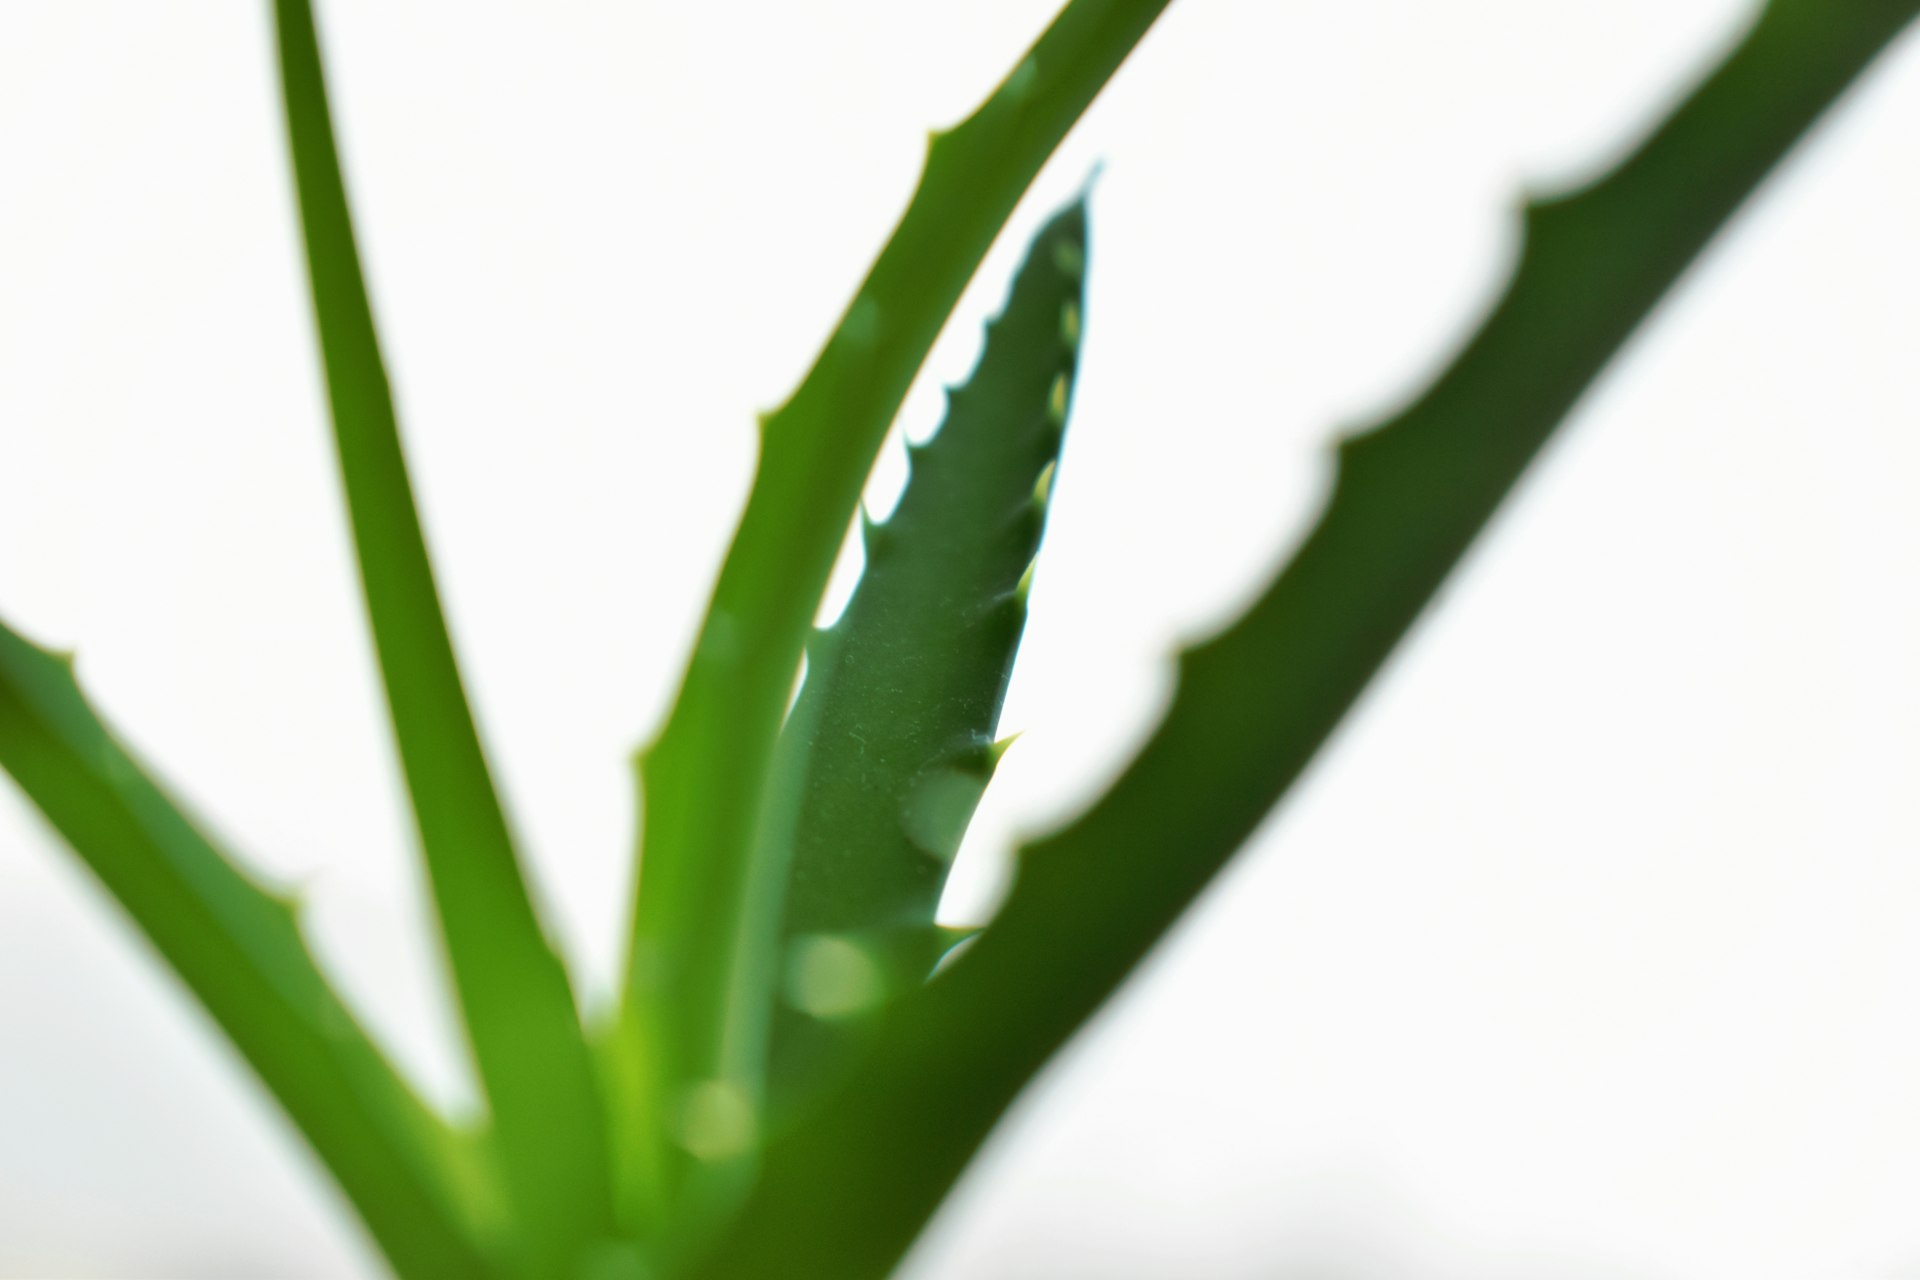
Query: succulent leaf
x,y
845,1193
419,1185
514,993
890,745
702,955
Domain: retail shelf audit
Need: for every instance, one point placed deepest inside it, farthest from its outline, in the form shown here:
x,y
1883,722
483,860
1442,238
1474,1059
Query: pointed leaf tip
x,y
1043,484
1000,746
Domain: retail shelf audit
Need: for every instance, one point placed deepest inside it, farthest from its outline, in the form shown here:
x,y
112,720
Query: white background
x,y
1587,950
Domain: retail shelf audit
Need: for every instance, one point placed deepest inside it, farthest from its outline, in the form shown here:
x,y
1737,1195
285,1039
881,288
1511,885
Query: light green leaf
x,y
514,993
238,949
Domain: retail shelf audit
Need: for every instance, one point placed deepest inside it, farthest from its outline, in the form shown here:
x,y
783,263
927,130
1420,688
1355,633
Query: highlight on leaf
x,y
516,998
803,1061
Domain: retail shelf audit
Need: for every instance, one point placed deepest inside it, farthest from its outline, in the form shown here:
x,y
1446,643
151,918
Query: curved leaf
x,y
844,1196
239,950
514,993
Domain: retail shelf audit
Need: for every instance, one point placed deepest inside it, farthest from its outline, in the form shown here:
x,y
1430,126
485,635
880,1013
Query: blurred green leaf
x,y
419,1186
699,958
847,1192
514,993
890,745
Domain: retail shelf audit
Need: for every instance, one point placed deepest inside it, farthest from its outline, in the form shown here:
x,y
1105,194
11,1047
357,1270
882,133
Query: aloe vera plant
x,y
789,1088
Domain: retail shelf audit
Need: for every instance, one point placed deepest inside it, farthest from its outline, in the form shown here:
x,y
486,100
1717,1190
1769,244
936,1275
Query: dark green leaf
x,y
890,744
843,1197
706,917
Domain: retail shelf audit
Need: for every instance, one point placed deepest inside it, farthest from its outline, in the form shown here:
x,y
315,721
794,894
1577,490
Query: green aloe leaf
x,y
417,1184
890,744
695,959
513,990
846,1193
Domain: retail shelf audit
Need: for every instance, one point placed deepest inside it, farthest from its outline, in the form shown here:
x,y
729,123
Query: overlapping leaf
x,y
698,956
890,744
843,1196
